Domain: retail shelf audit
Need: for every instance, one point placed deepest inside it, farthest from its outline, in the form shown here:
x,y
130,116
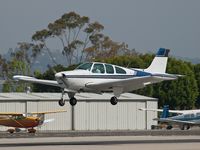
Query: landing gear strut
x,y
113,100
185,127
61,102
32,130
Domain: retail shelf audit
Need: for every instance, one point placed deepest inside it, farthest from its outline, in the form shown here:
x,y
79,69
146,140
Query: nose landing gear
x,y
61,102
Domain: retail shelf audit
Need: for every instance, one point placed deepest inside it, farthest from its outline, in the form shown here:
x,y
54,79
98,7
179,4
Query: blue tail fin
x,y
165,112
162,52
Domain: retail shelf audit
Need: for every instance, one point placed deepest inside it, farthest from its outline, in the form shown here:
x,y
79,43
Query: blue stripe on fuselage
x,y
102,76
111,76
183,118
142,73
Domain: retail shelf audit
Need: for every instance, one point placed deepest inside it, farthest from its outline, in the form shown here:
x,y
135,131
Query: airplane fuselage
x,y
19,121
190,117
97,77
78,79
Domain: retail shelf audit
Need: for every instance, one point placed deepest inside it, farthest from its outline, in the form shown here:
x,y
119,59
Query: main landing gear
x,y
185,127
73,101
31,130
113,100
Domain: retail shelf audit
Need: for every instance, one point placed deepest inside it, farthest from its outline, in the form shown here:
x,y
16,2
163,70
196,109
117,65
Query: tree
x,y
181,93
75,33
80,39
20,63
197,76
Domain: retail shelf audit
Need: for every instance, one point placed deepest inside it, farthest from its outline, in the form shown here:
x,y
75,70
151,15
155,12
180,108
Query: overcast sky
x,y
145,25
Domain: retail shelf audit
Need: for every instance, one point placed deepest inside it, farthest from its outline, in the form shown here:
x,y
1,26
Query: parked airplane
x,y
184,118
99,77
28,121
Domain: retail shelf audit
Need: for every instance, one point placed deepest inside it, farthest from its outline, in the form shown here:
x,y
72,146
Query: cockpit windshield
x,y
85,66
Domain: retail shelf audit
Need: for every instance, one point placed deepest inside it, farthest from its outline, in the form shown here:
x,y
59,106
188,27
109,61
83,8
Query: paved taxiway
x,y
103,142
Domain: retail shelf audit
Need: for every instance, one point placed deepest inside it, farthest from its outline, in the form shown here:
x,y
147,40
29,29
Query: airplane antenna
x,y
128,64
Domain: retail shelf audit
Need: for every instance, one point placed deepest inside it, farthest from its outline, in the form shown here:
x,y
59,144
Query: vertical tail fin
x,y
165,113
159,63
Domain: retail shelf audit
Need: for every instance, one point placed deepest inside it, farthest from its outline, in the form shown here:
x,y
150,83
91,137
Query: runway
x,y
103,142
23,134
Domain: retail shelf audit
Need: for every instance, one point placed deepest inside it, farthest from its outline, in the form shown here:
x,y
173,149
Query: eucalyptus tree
x,y
75,34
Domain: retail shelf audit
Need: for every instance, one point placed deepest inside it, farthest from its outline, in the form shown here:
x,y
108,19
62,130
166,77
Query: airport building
x,y
92,111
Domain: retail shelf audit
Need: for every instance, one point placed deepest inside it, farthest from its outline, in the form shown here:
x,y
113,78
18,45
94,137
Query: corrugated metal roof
x,y
79,96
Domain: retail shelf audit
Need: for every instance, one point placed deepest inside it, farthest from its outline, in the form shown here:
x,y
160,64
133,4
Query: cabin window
x,y
109,69
85,66
187,116
19,117
192,115
120,70
98,68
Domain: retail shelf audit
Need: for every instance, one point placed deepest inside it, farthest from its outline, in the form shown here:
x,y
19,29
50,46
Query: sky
x,y
145,25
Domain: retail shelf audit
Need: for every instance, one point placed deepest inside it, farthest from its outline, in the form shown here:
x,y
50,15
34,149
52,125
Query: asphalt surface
x,y
195,132
103,142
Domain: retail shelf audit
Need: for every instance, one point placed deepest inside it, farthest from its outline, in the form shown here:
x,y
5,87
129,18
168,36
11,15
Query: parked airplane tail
x,y
165,113
159,63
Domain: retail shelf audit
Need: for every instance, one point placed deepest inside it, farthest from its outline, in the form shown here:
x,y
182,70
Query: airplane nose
x,y
58,75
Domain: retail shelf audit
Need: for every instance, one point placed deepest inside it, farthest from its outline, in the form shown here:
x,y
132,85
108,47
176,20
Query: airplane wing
x,y
33,113
129,84
175,121
47,112
161,110
10,114
34,80
154,110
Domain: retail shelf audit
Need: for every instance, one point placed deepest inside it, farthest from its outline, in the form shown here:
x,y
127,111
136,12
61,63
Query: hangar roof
x,y
79,96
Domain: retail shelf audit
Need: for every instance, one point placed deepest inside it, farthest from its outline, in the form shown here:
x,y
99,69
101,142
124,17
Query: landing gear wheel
x,y
169,127
11,131
113,100
61,102
187,127
73,101
31,130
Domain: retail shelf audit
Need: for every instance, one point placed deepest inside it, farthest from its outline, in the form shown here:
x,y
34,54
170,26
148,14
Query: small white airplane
x,y
99,77
184,118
